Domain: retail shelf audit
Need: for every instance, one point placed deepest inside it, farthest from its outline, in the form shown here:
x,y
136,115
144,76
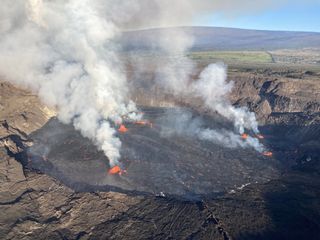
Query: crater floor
x,y
179,165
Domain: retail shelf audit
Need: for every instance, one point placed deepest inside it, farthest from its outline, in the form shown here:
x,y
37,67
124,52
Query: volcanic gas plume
x,y
67,53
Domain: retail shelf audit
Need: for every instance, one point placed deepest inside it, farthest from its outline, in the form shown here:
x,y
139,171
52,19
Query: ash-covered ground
x,y
155,162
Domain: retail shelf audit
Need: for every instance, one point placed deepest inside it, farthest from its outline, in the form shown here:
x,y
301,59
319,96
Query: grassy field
x,y
241,60
233,56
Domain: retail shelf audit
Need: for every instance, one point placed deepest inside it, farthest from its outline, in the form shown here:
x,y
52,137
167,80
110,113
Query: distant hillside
x,y
214,38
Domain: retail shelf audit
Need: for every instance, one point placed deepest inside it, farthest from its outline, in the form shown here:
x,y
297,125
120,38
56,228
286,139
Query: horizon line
x,y
207,26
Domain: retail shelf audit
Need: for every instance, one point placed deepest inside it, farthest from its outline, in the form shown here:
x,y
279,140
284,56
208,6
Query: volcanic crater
x,y
189,172
175,165
182,165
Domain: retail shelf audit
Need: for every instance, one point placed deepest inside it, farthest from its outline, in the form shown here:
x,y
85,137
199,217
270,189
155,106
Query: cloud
x,y
65,51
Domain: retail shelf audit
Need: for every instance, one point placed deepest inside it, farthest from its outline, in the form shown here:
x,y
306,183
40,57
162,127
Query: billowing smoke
x,y
182,122
214,89
65,51
175,74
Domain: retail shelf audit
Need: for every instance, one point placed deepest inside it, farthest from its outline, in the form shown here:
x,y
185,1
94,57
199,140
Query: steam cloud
x,y
182,122
64,50
214,89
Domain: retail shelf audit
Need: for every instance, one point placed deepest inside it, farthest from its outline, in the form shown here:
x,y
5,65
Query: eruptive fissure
x,y
123,129
72,62
170,157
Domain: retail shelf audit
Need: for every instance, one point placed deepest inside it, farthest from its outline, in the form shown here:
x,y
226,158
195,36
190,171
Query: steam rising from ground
x,y
213,88
181,122
64,50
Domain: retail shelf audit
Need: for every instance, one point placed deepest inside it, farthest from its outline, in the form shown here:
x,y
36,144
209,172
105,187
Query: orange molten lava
x,y
260,136
143,123
115,170
268,154
123,129
244,136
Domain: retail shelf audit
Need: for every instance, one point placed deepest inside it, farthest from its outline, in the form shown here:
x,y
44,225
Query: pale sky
x,y
290,17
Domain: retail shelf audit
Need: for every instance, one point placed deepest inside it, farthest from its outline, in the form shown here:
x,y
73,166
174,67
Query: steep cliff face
x,y
279,93
22,110
273,94
36,206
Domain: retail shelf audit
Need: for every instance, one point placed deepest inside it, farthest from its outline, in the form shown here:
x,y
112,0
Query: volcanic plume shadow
x,y
158,164
287,207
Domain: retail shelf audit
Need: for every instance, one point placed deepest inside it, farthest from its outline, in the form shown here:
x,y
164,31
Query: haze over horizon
x,y
297,16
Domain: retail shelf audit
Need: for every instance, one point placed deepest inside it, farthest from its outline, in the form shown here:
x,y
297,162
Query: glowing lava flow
x,y
123,129
116,170
244,136
268,154
144,123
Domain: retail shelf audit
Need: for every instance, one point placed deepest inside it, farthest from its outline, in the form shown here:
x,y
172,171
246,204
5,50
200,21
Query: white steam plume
x,y
182,122
175,75
213,88
63,51
35,8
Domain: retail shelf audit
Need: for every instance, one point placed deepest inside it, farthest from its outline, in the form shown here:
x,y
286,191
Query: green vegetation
x,y
233,56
